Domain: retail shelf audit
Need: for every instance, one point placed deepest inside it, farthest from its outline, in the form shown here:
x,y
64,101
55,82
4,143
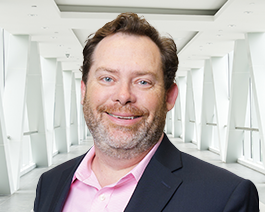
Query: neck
x,y
109,170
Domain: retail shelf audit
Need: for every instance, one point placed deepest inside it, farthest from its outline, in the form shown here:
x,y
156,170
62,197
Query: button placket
x,y
102,197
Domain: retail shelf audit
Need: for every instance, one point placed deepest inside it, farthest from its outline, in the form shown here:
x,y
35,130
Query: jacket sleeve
x,y
37,198
244,198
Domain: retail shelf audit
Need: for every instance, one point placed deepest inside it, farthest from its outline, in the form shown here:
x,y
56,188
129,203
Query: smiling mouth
x,y
124,117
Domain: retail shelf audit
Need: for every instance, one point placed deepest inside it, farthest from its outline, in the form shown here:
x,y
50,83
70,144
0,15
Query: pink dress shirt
x,y
86,194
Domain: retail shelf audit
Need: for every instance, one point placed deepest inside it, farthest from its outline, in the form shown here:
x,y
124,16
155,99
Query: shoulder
x,y
67,167
205,169
211,188
55,184
189,166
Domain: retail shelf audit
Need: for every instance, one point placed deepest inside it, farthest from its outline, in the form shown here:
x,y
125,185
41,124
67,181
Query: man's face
x,y
125,103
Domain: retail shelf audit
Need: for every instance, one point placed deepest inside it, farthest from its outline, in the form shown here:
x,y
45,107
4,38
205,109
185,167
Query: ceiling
x,y
200,28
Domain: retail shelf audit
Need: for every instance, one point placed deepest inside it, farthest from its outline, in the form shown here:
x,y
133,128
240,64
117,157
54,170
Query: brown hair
x,y
131,23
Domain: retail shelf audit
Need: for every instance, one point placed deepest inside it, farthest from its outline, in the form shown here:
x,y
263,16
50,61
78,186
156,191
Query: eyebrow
x,y
136,73
106,69
142,73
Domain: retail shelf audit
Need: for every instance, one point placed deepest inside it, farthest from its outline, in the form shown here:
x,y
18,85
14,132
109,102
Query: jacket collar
x,y
64,184
158,183
156,186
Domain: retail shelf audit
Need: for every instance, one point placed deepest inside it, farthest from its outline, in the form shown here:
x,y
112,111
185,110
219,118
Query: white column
x,y
61,136
67,87
14,102
35,107
207,107
48,67
169,122
256,42
6,176
176,115
193,105
238,101
220,82
83,126
80,116
70,107
2,62
189,111
197,82
73,113
182,83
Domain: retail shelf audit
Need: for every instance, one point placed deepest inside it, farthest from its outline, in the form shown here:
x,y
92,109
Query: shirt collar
x,y
84,169
138,170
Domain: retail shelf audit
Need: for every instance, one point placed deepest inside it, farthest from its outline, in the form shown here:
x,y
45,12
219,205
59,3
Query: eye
x,y
143,82
107,79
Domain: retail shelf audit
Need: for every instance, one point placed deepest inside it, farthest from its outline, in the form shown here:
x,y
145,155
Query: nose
x,y
124,94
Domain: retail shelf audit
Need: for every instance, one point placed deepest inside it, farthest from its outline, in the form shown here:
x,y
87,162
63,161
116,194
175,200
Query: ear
x,y
172,95
83,91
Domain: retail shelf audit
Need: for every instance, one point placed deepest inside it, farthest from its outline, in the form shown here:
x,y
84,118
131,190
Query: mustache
x,y
131,109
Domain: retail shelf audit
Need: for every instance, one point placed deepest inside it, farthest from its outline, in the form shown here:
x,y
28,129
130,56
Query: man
x,y
127,88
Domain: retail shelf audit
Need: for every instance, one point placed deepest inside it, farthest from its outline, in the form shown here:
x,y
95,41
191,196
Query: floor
x,y
22,200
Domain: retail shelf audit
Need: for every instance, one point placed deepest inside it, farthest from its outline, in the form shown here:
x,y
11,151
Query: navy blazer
x,y
172,181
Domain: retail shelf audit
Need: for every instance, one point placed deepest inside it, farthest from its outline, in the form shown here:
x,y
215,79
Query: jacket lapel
x,y
62,189
158,183
154,190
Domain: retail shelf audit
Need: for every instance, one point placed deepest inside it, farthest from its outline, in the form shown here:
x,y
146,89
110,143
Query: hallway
x,y
22,200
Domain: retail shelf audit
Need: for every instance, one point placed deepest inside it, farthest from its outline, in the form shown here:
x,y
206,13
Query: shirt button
x,y
102,197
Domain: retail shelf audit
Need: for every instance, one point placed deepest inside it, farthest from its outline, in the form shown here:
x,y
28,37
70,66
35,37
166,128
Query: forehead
x,y
122,49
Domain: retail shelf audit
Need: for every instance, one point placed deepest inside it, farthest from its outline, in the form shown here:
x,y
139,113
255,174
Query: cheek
x,y
152,103
98,97
158,103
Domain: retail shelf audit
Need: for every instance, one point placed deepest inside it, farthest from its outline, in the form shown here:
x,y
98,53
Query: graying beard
x,y
142,140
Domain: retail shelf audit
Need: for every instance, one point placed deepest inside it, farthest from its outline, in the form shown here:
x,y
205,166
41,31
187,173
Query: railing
x,y
30,132
247,128
25,133
211,124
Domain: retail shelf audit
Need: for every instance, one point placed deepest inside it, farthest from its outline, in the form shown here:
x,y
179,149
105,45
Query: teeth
x,y
123,117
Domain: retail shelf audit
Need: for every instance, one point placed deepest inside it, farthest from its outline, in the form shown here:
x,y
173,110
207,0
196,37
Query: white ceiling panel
x,y
200,28
178,4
